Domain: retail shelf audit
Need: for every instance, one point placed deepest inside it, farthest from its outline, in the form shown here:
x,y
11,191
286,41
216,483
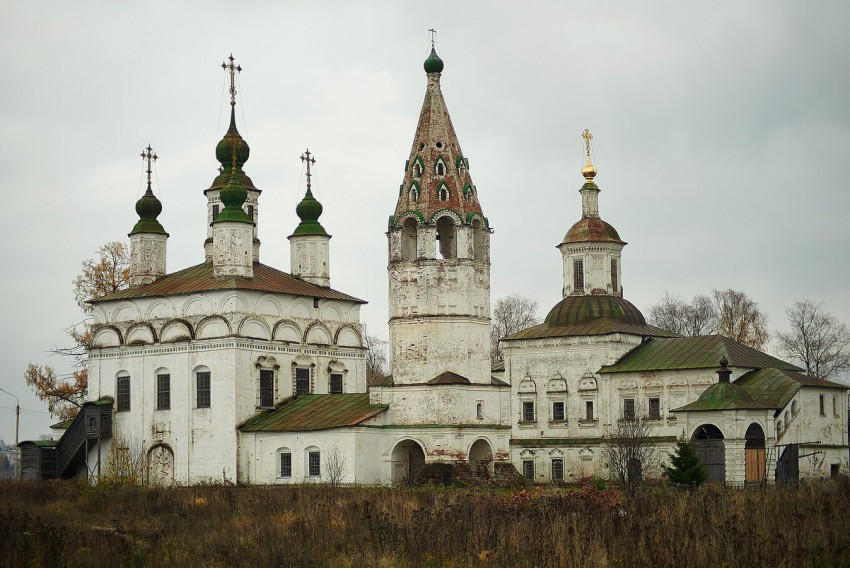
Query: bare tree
x,y
739,318
818,341
510,314
126,463
106,272
376,357
631,452
674,314
336,466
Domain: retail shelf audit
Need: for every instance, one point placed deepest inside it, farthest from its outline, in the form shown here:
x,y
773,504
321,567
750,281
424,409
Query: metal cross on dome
x,y
433,33
149,156
587,138
232,69
309,159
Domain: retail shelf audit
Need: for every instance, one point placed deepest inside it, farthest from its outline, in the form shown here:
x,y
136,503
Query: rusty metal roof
x,y
592,230
701,352
200,278
449,378
310,412
579,310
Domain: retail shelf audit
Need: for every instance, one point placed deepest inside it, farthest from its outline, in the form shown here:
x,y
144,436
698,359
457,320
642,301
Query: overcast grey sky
x,y
721,135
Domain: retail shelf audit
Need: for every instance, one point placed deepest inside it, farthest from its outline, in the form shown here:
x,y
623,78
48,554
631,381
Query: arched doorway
x,y
161,465
481,458
754,454
407,462
711,449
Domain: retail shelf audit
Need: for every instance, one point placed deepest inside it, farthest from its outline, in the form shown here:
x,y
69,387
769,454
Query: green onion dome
x,y
224,149
582,310
433,64
309,210
148,209
233,196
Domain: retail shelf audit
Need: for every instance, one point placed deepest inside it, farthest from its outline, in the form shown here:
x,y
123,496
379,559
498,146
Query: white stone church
x,y
232,370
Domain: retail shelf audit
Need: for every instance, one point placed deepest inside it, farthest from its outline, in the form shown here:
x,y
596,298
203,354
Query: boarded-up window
x,y
203,386
122,394
578,275
163,392
266,388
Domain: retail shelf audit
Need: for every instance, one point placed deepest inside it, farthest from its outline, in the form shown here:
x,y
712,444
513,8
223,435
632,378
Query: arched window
x,y
413,195
203,387
417,169
313,462
778,427
446,237
787,418
478,252
443,193
408,240
479,410
285,461
163,389
122,392
795,408
441,168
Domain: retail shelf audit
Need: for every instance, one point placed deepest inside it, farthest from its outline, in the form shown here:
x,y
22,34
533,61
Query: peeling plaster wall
x,y
443,404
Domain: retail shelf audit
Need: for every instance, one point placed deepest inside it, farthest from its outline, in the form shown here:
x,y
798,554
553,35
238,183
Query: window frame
x,y
528,411
285,467
563,411
199,377
589,413
822,405
615,281
314,456
555,469
628,413
163,394
122,399
528,469
578,275
331,389
266,391
655,413
297,389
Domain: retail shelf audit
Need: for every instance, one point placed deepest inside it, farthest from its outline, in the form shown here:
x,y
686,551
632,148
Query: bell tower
x,y
439,255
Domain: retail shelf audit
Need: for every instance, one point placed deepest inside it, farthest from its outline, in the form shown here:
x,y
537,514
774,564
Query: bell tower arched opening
x,y
446,237
408,240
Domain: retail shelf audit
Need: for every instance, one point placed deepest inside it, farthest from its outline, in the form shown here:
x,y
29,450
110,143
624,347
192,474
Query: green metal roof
x,y
595,327
723,396
64,424
776,387
579,310
41,443
701,352
310,412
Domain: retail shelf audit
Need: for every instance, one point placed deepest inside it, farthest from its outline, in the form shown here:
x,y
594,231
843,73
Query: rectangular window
x,y
203,380
122,394
822,407
834,406
251,212
302,381
163,392
314,464
528,412
214,212
614,280
266,388
557,469
558,414
629,409
528,469
336,383
588,410
286,464
655,409
578,275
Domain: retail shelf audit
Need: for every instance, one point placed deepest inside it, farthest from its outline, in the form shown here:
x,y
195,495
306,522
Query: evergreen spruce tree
x,y
685,467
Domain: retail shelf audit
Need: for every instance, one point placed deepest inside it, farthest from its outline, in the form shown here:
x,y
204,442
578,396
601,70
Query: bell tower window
x,y
408,240
578,275
441,169
443,193
446,237
614,279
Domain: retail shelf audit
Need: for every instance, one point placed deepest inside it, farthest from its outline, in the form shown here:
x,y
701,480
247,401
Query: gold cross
x,y
232,69
149,156
307,157
587,138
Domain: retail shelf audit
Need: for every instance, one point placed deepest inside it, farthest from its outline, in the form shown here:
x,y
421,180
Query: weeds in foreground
x,y
65,523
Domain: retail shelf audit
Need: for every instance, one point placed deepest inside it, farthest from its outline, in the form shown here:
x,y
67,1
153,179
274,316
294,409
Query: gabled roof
x,y
449,378
308,412
496,382
199,278
701,352
776,387
723,396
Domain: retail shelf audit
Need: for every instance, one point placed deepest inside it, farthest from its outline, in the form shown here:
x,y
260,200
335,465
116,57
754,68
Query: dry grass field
x,y
65,523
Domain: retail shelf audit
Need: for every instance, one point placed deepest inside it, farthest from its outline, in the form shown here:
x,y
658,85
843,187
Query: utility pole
x,y
17,429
